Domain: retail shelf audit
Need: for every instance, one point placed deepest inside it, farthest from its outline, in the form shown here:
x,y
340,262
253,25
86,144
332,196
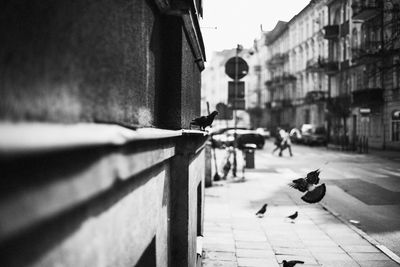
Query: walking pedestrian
x,y
278,140
285,143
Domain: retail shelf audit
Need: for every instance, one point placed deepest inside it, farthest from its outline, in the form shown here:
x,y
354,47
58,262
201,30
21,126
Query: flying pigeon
x,y
291,263
314,193
293,216
261,212
204,121
313,177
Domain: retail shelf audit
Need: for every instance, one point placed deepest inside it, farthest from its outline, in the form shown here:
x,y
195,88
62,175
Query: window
x,y
355,38
396,73
348,48
375,126
307,117
396,126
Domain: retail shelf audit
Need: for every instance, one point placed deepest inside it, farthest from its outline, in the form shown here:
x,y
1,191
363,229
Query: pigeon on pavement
x,y
261,212
204,121
293,216
291,263
314,193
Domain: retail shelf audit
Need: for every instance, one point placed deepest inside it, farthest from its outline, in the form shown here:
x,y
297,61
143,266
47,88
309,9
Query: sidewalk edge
x,y
364,235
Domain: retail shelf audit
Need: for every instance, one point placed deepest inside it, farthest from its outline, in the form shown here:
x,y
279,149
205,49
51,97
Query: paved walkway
x,y
235,236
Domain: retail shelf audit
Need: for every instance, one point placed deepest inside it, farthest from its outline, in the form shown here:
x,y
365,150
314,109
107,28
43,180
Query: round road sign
x,y
242,68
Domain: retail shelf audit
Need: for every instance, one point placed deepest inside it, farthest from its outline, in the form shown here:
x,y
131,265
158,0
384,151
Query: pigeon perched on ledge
x,y
314,193
204,121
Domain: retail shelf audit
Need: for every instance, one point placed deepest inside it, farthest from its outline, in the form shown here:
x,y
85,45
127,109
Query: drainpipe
x,y
382,50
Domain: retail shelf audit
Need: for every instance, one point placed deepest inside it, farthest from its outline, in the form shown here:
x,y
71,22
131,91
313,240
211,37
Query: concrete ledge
x,y
75,162
25,138
68,179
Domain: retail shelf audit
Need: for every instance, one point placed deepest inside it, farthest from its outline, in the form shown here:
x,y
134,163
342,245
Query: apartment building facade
x,y
375,75
297,84
279,89
363,96
338,34
336,64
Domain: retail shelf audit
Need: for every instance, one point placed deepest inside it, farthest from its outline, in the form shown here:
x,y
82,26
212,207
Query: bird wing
x,y
299,184
315,195
313,177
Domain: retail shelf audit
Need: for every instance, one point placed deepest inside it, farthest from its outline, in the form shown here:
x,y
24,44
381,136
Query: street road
x,y
362,188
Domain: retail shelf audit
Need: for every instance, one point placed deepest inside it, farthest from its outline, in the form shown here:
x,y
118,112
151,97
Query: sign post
x,y
236,68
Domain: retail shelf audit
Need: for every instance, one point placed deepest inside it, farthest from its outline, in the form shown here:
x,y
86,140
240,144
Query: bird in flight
x,y
293,216
263,209
291,263
204,121
310,185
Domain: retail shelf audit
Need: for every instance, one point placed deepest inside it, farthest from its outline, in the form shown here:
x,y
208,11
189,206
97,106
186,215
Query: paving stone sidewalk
x,y
234,236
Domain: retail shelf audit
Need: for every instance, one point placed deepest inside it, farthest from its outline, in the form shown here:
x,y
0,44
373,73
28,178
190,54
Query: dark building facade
x,y
338,64
98,167
375,47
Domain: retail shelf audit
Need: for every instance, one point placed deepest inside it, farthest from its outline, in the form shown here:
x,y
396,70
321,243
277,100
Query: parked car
x,y
250,137
244,136
295,136
264,132
313,135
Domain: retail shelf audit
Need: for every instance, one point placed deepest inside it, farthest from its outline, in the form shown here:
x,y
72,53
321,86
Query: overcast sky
x,y
238,21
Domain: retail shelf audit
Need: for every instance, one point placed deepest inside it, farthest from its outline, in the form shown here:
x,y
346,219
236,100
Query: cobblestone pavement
x,y
235,236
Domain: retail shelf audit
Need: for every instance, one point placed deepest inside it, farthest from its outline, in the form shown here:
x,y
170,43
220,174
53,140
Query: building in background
x,y
297,84
375,76
338,63
308,62
215,85
335,64
278,86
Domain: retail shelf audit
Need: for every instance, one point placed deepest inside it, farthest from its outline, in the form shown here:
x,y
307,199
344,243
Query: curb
x,y
364,235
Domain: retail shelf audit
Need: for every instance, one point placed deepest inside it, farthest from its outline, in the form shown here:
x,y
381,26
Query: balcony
x,y
281,79
322,65
298,102
313,97
366,9
368,97
344,65
331,32
277,59
288,77
368,52
331,67
276,105
287,103
275,81
313,65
